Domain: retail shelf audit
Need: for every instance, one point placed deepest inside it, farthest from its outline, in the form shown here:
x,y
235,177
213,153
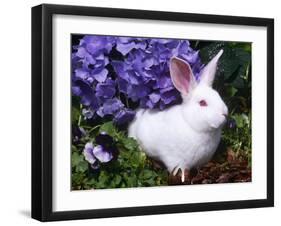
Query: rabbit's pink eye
x,y
203,103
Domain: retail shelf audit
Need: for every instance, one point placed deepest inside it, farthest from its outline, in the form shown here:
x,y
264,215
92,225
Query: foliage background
x,y
232,162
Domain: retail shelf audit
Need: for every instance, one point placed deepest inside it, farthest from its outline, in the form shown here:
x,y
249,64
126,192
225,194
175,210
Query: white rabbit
x,y
187,135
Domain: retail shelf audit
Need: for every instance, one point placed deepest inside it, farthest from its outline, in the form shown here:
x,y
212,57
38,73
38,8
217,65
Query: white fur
x,y
186,135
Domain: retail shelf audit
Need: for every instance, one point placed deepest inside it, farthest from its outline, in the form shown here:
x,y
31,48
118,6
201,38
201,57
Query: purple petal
x,y
154,97
101,154
164,82
106,90
169,88
146,103
124,116
137,92
81,73
118,66
134,78
140,45
87,113
110,107
76,90
191,58
96,44
148,62
184,46
86,93
88,153
82,52
122,85
101,76
149,104
125,48
170,96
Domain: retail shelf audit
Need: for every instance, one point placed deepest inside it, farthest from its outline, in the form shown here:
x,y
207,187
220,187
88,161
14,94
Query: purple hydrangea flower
x,y
124,44
144,73
105,89
139,74
110,107
123,116
86,92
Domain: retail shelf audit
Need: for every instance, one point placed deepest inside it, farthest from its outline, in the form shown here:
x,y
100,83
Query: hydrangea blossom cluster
x,y
109,73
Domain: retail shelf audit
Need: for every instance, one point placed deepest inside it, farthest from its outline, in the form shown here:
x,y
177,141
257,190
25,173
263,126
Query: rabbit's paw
x,y
179,176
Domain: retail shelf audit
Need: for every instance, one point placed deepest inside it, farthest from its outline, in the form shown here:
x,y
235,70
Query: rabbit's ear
x,y
209,71
182,76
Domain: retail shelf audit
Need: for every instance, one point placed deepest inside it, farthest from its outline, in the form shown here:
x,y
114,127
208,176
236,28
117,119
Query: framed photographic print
x,y
147,112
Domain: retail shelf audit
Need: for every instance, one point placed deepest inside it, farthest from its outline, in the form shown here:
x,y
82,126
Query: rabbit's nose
x,y
225,116
225,112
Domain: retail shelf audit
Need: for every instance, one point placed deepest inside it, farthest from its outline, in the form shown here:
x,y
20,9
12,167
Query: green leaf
x,y
230,91
210,50
103,180
82,166
131,180
246,46
242,120
75,113
232,64
77,180
75,159
130,143
74,148
108,127
239,121
117,179
147,174
78,162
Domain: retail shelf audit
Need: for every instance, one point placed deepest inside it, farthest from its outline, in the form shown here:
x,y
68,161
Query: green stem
x,y
87,127
80,117
91,130
247,71
127,102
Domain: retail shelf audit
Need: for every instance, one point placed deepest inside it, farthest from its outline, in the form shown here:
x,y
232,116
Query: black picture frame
x,y
42,111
